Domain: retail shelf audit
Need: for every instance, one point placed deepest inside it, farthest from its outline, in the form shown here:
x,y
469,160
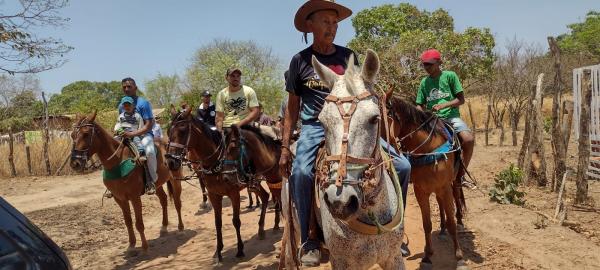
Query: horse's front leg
x,y
264,198
216,201
277,199
237,223
162,197
457,193
449,207
250,200
176,189
423,200
442,215
124,205
139,221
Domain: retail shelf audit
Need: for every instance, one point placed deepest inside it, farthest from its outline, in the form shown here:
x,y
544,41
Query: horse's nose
x,y
173,164
342,204
76,164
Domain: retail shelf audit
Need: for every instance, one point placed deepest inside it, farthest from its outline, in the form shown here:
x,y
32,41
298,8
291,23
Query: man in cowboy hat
x,y
319,17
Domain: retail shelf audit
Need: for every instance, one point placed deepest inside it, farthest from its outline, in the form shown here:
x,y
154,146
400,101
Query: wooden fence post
x,y
62,165
567,122
46,135
526,136
487,124
513,124
536,153
584,138
28,155
558,146
11,156
473,122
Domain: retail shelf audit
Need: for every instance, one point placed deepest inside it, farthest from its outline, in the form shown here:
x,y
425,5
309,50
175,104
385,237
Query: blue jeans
x,y
303,173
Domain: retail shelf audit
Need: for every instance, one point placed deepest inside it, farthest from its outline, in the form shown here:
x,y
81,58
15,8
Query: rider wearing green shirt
x,y
442,93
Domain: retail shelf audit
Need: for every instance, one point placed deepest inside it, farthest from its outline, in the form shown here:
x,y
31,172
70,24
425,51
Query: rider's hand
x,y
437,107
284,162
128,134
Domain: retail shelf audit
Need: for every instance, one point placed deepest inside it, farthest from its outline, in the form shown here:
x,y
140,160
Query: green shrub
x,y
547,124
505,190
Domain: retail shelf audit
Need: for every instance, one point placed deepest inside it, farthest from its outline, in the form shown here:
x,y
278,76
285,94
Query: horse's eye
x,y
375,119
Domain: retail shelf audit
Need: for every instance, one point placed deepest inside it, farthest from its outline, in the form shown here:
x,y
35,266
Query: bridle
x,y
180,150
82,154
371,176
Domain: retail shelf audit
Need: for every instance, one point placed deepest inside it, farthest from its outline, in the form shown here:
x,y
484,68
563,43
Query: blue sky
x,y
114,39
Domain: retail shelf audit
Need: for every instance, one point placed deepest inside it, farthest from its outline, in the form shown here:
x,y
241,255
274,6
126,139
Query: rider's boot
x,y
150,189
311,258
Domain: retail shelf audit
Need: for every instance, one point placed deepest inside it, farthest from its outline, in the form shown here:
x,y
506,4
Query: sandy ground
x,y
70,211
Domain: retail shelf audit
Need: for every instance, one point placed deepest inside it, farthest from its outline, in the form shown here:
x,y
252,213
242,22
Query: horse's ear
x,y
173,111
187,110
93,116
327,75
389,92
370,68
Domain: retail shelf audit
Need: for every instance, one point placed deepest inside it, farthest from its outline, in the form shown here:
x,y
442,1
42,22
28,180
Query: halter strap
x,y
343,157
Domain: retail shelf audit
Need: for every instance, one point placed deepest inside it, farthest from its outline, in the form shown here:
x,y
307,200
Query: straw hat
x,y
313,6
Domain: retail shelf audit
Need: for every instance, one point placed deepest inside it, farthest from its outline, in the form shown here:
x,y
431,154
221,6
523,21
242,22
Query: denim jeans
x,y
303,173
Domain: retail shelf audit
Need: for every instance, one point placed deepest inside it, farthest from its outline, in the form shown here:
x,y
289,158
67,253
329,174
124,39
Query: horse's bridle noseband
x,y
82,154
182,150
369,163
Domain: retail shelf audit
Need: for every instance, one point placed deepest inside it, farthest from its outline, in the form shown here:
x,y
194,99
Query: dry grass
x,y
58,150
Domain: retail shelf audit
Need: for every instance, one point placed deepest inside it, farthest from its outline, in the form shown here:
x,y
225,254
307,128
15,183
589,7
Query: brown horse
x,y
418,134
90,138
189,135
248,147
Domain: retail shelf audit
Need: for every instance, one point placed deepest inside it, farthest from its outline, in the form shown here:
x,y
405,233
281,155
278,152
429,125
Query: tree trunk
x,y
501,126
11,156
46,136
584,139
512,118
558,146
487,124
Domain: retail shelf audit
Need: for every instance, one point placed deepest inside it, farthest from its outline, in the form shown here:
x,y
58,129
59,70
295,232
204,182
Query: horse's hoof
x,y
131,251
180,227
276,228
217,262
261,235
443,236
461,265
425,266
240,254
460,227
163,231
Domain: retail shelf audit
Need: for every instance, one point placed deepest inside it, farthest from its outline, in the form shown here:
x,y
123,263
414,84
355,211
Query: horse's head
x,y
83,135
350,117
179,137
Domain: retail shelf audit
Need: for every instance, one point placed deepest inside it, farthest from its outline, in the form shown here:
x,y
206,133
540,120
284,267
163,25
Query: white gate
x,y
578,76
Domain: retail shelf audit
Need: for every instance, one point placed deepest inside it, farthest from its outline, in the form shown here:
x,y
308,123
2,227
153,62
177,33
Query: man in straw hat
x,y
319,17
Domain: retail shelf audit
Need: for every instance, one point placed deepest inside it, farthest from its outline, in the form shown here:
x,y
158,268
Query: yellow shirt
x,y
235,105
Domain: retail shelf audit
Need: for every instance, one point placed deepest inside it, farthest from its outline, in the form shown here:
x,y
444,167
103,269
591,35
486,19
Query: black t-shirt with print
x,y
305,83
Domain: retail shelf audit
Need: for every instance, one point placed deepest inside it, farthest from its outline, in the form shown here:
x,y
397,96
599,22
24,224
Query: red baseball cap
x,y
431,56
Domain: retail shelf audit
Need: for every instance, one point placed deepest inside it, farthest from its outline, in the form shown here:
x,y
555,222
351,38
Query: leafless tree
x,y
21,49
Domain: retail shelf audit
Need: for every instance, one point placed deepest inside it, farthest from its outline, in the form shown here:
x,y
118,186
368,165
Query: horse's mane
x,y
214,135
268,141
407,112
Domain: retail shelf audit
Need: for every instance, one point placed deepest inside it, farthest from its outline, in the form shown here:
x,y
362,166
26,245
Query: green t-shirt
x,y
444,88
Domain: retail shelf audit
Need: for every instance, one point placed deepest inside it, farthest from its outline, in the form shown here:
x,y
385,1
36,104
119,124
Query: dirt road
x,y
69,210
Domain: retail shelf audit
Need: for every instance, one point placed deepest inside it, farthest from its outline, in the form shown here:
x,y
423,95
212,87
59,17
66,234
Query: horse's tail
x,y
170,190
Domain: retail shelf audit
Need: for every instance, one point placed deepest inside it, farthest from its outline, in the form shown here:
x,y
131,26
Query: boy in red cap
x,y
442,93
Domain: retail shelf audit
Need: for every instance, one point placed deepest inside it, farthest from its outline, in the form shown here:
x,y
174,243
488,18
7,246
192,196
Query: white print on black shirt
x,y
236,105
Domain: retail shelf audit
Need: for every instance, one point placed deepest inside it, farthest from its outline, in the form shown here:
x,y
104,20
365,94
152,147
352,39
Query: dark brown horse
x,y
90,138
250,149
189,135
419,134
